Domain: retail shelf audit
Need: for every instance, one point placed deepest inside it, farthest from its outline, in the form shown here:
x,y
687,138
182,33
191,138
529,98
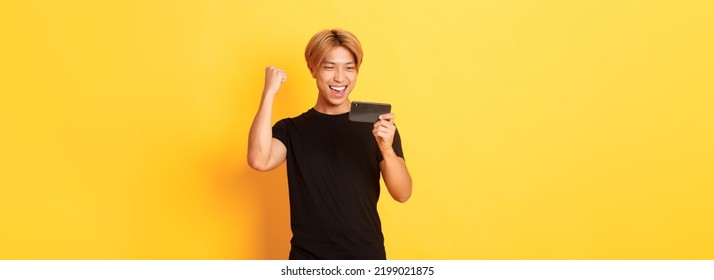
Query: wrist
x,y
388,153
269,93
267,98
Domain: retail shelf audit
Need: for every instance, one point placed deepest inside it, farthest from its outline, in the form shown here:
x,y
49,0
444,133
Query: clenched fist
x,y
274,77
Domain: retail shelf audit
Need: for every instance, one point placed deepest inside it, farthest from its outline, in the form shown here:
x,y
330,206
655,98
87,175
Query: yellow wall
x,y
532,129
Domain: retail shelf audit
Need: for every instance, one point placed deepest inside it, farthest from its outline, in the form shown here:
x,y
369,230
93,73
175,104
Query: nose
x,y
339,76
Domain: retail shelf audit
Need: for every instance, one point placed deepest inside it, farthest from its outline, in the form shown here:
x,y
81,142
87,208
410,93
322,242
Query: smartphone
x,y
368,111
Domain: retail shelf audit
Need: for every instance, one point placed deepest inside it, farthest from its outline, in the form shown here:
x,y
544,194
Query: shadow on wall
x,y
274,224
259,209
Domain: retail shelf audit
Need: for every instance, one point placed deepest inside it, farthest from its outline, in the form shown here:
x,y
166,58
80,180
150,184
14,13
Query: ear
x,y
312,72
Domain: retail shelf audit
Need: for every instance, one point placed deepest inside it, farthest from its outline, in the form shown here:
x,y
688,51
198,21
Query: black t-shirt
x,y
333,177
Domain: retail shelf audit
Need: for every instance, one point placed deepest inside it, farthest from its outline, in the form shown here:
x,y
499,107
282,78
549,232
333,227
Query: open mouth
x,y
338,90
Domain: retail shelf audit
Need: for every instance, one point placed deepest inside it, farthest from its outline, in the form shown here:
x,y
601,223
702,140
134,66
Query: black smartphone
x,y
368,111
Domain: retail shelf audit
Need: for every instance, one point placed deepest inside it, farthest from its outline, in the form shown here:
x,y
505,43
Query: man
x,y
333,164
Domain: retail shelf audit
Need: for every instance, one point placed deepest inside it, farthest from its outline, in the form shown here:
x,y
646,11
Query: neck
x,y
329,109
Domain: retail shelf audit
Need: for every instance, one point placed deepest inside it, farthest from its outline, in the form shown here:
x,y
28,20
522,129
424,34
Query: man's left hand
x,y
384,130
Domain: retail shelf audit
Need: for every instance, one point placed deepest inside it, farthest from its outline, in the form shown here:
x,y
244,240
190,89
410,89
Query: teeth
x,y
338,88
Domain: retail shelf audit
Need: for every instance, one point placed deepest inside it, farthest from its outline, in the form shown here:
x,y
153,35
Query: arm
x,y
394,168
265,152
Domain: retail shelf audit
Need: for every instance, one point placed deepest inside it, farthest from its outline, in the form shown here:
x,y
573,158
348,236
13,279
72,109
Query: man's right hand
x,y
274,77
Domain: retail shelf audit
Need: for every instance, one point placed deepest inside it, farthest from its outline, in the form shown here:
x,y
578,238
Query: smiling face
x,y
336,76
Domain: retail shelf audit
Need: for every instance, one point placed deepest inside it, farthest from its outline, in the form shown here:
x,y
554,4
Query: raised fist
x,y
274,77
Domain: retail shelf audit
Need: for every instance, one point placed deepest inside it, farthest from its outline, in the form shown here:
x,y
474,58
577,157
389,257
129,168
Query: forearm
x,y
396,176
261,135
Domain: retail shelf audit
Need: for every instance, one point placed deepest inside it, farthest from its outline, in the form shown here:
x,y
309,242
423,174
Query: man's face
x,y
335,78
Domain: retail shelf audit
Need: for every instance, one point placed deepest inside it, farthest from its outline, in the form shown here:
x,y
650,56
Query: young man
x,y
333,164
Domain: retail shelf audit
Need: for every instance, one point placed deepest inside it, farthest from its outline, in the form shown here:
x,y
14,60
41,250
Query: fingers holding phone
x,y
384,130
389,117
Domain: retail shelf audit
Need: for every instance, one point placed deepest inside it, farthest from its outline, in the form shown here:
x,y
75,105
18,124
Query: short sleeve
x,y
397,144
280,131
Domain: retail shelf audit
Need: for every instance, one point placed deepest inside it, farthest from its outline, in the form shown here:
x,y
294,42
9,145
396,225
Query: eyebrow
x,y
330,62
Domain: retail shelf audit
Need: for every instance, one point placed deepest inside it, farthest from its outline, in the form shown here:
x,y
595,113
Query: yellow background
x,y
532,129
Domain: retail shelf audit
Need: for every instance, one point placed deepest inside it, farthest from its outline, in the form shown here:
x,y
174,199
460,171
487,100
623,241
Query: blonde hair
x,y
326,40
